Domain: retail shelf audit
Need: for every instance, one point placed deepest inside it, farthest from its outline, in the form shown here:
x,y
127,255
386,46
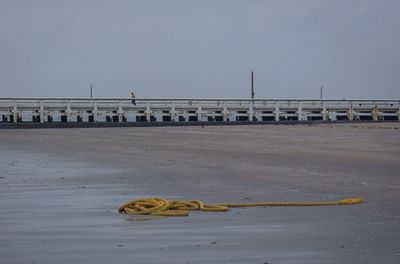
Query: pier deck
x,y
122,110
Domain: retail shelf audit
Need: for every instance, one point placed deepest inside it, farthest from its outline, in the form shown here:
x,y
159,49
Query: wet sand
x,y
60,190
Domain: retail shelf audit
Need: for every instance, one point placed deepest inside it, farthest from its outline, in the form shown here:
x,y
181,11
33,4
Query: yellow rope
x,y
160,206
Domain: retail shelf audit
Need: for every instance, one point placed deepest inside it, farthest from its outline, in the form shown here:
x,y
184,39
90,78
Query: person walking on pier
x,y
133,98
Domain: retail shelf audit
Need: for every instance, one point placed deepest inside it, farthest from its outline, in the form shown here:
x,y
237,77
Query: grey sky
x,y
200,48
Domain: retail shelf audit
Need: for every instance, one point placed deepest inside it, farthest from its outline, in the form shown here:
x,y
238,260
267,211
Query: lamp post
x,y
320,92
252,84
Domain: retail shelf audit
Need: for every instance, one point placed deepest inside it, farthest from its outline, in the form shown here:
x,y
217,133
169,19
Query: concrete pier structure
x,y
121,110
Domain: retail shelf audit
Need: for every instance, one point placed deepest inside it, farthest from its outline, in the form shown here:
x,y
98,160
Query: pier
x,y
123,110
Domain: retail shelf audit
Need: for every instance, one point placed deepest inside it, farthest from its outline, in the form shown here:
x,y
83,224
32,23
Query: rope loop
x,y
163,207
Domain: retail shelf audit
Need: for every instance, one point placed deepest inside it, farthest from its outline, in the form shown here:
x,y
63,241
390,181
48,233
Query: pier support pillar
x,y
95,111
350,113
276,112
69,111
225,112
251,111
15,113
375,113
300,112
324,113
148,112
41,112
398,112
173,113
120,113
199,113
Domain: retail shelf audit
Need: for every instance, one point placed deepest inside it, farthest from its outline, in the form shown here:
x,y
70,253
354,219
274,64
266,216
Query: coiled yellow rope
x,y
163,207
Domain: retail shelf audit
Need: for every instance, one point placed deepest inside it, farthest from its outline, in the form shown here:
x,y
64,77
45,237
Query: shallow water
x,y
49,216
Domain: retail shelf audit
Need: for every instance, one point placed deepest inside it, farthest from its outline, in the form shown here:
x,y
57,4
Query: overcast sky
x,y
200,48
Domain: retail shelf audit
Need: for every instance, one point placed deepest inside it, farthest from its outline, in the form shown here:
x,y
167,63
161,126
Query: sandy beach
x,y
60,190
